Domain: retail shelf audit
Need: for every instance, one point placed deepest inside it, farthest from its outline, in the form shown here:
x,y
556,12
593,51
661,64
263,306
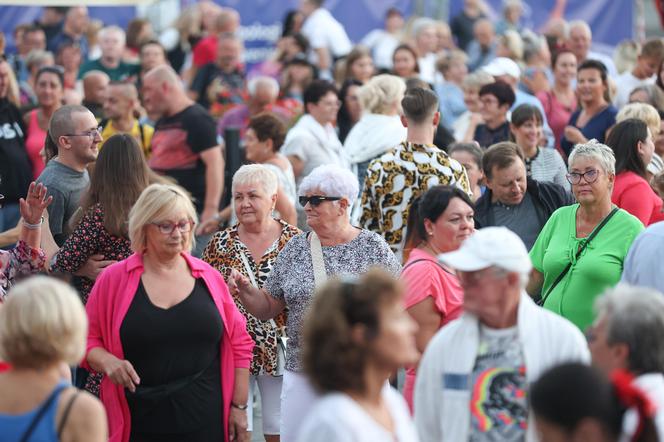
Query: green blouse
x,y
598,268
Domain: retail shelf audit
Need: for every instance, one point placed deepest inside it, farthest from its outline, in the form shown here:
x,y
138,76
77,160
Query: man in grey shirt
x,y
643,265
513,200
74,130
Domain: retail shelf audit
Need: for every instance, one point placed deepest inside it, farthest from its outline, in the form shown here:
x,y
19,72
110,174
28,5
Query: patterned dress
x,y
223,253
21,260
90,238
399,176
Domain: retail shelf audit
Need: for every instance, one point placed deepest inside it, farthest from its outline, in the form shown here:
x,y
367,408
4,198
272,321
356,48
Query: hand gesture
x,y
32,207
574,135
121,373
237,425
93,267
237,282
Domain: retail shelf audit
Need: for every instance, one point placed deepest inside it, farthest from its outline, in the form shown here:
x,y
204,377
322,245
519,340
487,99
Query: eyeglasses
x,y
589,176
169,228
316,200
91,134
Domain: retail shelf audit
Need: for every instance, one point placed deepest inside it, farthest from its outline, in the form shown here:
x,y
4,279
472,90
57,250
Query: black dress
x,y
175,352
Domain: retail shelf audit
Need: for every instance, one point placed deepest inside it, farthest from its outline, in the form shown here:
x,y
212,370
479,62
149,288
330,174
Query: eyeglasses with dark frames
x,y
589,176
316,200
91,134
167,228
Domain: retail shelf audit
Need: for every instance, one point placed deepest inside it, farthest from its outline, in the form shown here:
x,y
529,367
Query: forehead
x,y
84,120
580,162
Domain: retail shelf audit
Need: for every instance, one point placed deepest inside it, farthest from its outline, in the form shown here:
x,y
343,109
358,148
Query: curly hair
x,y
333,359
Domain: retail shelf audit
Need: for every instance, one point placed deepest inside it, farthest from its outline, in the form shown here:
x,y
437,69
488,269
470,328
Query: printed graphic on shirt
x,y
498,402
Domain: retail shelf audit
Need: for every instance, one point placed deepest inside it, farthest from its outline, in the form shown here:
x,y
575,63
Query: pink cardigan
x,y
107,306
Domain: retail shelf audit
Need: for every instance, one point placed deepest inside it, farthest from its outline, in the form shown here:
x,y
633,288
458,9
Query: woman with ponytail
x,y
438,222
574,402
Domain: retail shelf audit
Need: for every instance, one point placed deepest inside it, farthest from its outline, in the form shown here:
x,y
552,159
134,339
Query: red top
x,y
34,143
107,306
205,51
633,194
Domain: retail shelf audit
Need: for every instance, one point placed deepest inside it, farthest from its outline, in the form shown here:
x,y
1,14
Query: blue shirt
x,y
643,264
451,103
595,128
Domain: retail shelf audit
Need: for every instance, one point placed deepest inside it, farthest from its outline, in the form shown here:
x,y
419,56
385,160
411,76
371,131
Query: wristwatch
x,y
239,407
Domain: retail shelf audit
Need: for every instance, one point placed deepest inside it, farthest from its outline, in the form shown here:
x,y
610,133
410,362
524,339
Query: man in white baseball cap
x,y
505,69
473,379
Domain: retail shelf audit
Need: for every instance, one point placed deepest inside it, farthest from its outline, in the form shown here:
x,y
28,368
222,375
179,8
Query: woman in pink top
x,y
438,222
560,102
633,146
166,334
49,87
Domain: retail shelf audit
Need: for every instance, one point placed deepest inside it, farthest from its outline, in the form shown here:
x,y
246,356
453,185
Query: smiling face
x,y
589,87
527,135
325,110
452,227
564,71
493,113
404,63
82,148
49,90
362,69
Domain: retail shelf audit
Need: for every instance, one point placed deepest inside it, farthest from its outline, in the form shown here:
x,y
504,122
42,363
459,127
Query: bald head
x,y
95,84
163,91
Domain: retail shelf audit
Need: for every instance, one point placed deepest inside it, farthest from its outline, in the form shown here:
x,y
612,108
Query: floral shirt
x,y
223,252
395,178
21,260
90,238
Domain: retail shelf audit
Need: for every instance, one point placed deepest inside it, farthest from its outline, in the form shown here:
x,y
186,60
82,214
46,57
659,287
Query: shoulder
x,y
629,222
85,418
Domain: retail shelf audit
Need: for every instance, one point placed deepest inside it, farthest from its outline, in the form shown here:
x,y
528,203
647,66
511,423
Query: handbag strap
x,y
583,246
252,278
320,274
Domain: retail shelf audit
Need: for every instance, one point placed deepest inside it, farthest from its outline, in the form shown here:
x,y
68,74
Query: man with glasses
x,y
472,382
514,200
74,130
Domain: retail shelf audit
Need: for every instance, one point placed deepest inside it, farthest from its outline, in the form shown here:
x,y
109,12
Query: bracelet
x,y
35,226
239,407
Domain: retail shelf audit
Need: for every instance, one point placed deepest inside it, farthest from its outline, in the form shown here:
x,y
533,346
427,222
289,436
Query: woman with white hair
x,y
250,247
333,248
166,333
42,330
581,249
379,128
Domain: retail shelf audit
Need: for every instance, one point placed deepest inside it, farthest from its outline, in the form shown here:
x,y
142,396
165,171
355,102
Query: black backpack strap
x,y
40,413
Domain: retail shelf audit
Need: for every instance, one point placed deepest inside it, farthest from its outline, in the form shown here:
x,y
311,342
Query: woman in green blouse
x,y
600,264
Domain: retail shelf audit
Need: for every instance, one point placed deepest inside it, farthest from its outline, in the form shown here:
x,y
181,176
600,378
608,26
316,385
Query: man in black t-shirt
x,y
184,144
15,169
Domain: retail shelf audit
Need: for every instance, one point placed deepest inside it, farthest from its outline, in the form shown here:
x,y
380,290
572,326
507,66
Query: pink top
x,y
34,142
423,279
633,194
557,114
107,306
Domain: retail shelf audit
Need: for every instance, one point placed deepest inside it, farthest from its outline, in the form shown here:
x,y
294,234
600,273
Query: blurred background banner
x,y
611,20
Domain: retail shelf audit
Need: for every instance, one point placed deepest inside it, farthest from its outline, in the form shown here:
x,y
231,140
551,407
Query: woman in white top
x,y
263,139
542,163
357,334
379,128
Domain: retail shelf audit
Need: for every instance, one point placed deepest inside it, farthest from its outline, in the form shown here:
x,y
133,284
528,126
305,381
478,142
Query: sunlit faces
x,y
325,212
117,104
362,69
405,63
493,113
256,150
173,243
84,142
600,185
589,87
252,203
508,185
325,110
112,44
528,134
565,69
452,227
152,55
49,89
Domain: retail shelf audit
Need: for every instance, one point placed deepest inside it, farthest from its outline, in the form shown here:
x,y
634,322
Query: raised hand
x,y
33,205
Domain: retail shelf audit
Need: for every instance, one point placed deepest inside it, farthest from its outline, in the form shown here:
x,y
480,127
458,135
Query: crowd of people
x,y
472,204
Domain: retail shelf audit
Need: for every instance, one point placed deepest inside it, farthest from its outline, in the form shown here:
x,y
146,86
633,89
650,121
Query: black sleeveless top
x,y
175,352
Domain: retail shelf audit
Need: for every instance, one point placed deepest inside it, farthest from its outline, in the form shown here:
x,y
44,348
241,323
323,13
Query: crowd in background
x,y
461,200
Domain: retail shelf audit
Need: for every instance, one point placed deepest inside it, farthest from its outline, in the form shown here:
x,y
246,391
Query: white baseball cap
x,y
488,247
502,66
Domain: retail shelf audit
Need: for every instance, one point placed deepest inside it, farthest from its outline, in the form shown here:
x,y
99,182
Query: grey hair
x,y
62,121
332,180
256,82
113,28
578,24
594,149
38,57
635,317
420,24
256,173
524,277
477,79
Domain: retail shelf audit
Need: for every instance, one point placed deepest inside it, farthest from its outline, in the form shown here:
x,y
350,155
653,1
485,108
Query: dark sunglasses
x,y
316,200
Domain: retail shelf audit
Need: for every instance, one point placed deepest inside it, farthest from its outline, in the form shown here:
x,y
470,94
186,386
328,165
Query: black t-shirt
x,y
15,168
177,143
486,136
176,350
230,94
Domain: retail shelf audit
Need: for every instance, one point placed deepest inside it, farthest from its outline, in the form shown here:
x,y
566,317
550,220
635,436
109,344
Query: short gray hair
x,y
256,173
421,23
261,80
332,180
580,24
113,28
600,152
635,317
38,57
477,79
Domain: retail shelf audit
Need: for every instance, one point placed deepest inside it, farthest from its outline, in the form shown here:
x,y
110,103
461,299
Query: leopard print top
x,y
223,253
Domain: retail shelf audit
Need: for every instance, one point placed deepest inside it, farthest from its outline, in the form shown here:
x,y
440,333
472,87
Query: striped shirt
x,y
547,165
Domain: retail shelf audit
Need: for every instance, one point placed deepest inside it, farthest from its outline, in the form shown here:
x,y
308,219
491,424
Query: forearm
x,y
31,237
241,387
214,183
97,358
259,303
535,283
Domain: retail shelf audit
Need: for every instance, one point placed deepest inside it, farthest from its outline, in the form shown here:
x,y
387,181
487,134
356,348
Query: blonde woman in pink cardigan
x,y
166,334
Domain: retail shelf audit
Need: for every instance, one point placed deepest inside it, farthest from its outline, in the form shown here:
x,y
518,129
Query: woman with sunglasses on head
x,y
633,144
166,333
356,335
334,247
581,249
438,222
251,247
49,88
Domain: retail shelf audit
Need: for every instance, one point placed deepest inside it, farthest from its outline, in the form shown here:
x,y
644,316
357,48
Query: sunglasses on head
x,y
316,200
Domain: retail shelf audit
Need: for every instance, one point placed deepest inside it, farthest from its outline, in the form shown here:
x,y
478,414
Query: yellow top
x,y
144,140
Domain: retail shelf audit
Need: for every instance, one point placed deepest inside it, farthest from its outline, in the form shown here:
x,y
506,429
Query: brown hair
x,y
134,29
354,55
332,359
419,104
268,126
120,175
653,48
500,155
